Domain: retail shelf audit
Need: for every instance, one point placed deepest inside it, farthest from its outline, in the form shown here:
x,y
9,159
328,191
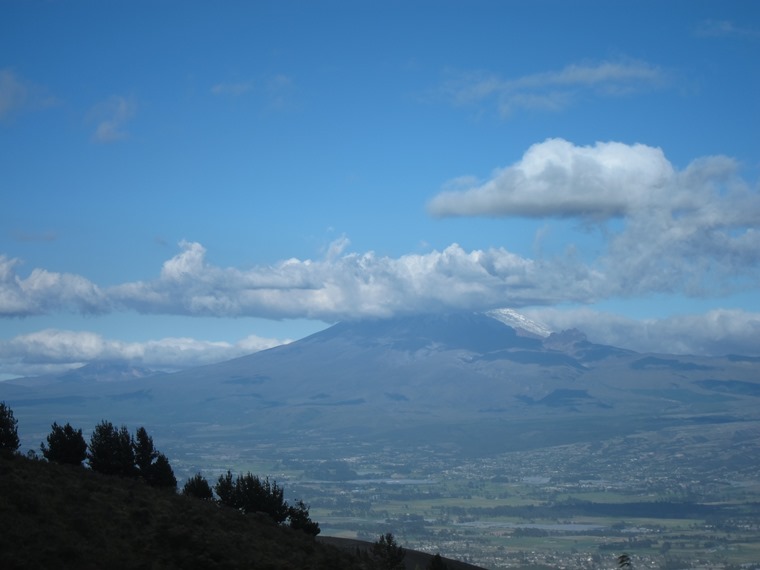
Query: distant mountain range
x,y
406,378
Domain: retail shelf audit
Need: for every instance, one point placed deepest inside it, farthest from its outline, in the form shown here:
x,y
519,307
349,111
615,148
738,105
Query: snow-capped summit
x,y
519,321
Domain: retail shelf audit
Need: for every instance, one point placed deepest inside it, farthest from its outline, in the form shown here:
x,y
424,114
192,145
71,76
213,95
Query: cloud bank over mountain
x,y
52,350
693,231
714,333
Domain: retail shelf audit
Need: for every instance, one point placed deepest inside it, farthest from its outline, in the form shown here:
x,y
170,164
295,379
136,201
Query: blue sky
x,y
185,182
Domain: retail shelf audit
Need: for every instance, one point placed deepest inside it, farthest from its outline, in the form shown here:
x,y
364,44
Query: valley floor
x,y
677,498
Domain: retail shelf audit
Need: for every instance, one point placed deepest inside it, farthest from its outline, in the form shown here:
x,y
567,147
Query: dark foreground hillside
x,y
56,517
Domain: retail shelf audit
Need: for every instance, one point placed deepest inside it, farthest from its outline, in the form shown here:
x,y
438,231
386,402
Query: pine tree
x,y
65,445
150,464
388,553
261,495
197,487
9,441
111,450
250,494
298,516
160,473
225,490
145,453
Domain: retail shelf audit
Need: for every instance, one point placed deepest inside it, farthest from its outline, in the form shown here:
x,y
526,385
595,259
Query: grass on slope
x,y
57,516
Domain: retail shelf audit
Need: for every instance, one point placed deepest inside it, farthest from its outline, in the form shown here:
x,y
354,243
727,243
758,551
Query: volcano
x,y
408,379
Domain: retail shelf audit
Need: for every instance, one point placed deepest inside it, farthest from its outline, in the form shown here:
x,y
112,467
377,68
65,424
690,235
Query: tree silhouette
x,y
145,453
64,445
250,494
387,553
9,441
261,495
225,490
152,465
160,473
437,563
197,487
111,451
298,516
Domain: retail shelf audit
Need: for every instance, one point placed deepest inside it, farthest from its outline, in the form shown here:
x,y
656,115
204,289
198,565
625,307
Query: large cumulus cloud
x,y
348,285
689,231
558,179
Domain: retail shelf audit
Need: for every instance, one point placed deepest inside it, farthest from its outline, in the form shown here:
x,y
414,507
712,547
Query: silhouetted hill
x,y
56,516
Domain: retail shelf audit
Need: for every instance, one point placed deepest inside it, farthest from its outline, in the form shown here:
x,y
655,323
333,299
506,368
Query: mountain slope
x,y
406,376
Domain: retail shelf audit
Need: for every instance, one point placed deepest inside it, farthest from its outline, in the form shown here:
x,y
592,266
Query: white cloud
x,y
558,179
44,291
693,231
111,118
554,90
342,285
51,350
717,332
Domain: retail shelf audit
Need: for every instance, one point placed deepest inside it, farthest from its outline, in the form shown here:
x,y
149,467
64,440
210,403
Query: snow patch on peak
x,y
516,320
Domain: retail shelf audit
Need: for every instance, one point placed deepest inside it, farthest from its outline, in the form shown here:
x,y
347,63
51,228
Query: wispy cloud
x,y
111,118
26,236
18,94
275,92
724,29
280,91
234,89
553,90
